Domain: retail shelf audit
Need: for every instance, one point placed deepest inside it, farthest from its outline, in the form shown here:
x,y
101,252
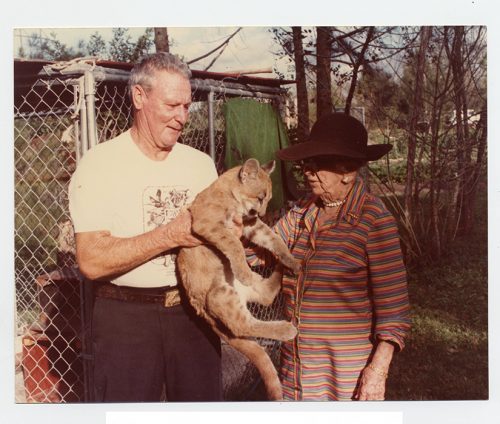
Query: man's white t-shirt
x,y
119,189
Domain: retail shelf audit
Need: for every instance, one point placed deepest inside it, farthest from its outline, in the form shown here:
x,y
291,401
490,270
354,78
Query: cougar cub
x,y
216,276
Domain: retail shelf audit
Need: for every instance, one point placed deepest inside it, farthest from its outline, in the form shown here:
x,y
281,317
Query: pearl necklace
x,y
334,204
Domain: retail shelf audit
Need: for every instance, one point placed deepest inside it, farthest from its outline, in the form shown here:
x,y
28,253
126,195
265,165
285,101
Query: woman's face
x,y
325,174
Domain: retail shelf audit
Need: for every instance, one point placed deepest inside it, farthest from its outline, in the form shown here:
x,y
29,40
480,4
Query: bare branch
x,y
222,45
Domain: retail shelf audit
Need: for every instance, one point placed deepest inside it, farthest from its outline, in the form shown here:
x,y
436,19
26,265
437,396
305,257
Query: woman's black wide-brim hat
x,y
336,134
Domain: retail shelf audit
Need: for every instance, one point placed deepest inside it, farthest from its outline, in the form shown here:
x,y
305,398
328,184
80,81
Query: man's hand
x,y
179,230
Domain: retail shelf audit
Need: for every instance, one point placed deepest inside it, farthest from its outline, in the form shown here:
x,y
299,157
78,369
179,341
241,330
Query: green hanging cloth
x,y
255,130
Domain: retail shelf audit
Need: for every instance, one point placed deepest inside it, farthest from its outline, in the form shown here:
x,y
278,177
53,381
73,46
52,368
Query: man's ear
x,y
138,96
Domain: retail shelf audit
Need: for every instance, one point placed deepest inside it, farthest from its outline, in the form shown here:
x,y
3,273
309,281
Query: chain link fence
x,y
60,112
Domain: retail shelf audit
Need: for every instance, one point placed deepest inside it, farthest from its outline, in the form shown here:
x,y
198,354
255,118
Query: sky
x,y
250,49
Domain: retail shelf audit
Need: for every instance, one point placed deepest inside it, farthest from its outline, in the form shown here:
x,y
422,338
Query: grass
x,y
446,357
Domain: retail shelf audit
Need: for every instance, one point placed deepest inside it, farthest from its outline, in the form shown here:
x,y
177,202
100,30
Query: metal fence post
x,y
89,87
87,354
87,286
211,126
82,144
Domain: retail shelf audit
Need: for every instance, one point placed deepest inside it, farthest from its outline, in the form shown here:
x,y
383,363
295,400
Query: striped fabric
x,y
351,291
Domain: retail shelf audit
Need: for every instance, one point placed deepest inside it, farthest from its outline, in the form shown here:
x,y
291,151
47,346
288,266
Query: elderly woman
x,y
350,300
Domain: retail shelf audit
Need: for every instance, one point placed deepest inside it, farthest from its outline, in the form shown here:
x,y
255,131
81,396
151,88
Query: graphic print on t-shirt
x,y
160,206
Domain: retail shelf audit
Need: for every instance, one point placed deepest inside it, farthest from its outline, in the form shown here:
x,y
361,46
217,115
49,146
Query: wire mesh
x,y
49,300
46,280
113,112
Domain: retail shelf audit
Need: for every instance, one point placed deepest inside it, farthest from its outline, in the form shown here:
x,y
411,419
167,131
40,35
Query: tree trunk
x,y
425,34
482,131
300,77
436,177
355,70
477,167
161,40
323,71
464,143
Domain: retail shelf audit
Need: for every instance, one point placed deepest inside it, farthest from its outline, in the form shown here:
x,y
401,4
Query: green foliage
x,y
96,46
143,46
395,171
49,48
385,101
121,47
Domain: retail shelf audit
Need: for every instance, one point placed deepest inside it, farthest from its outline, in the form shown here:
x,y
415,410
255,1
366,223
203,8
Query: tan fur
x,y
216,276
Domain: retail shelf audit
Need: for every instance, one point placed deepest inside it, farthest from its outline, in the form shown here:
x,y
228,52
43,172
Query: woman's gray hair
x,y
144,70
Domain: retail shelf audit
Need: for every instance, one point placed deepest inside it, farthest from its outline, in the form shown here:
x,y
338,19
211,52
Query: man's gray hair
x,y
144,70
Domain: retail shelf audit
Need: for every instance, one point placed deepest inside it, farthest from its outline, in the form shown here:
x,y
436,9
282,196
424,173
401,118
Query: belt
x,y
167,296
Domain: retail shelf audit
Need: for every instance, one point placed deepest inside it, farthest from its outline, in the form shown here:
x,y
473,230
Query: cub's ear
x,y
269,167
249,170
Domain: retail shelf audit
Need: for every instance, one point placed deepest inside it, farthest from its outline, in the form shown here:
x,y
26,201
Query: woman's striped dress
x,y
351,291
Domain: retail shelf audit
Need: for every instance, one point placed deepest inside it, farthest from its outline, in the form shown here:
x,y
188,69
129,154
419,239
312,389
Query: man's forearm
x,y
101,255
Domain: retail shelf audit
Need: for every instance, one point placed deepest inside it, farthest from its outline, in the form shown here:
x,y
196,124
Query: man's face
x,y
163,110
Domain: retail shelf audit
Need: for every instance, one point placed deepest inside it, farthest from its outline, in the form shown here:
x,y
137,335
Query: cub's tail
x,y
259,357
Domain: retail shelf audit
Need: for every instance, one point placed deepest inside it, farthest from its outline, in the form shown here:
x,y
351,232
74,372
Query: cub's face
x,y
256,196
256,188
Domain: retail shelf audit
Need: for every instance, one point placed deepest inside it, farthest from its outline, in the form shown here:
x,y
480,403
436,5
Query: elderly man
x,y
125,201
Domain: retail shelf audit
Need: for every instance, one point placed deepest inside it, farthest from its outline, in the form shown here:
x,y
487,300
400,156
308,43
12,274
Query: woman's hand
x,y
372,386
374,376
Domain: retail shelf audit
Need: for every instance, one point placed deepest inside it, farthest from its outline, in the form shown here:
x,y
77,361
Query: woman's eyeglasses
x,y
315,164
338,164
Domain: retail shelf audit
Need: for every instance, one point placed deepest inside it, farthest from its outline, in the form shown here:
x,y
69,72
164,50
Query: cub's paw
x,y
257,280
287,331
248,277
293,264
